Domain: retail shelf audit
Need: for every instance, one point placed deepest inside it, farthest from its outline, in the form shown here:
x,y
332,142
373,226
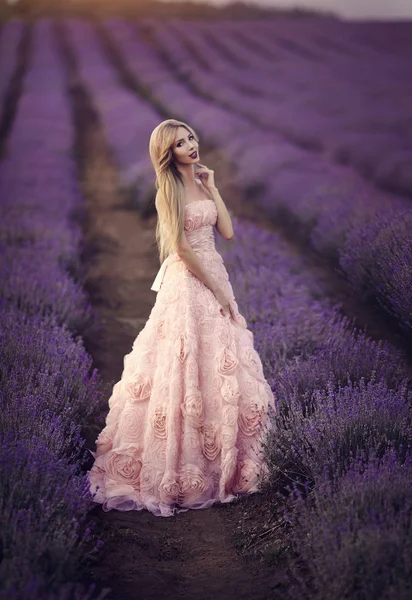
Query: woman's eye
x,y
179,143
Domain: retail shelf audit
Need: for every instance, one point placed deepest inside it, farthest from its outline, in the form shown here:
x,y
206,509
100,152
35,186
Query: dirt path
x,y
216,553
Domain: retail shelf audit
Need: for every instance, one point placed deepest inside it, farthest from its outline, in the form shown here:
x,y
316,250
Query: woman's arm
x,y
224,222
194,264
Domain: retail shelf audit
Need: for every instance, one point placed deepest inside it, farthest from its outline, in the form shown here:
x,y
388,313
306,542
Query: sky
x,y
348,9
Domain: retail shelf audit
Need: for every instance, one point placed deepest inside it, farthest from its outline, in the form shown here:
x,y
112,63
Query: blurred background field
x,y
307,121
147,8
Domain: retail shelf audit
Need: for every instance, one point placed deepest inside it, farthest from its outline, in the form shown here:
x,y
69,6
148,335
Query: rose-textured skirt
x,y
188,417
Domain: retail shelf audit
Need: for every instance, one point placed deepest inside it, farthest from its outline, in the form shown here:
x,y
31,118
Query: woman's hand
x,y
226,306
207,176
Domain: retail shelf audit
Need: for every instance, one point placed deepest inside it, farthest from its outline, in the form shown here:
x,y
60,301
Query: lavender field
x,y
308,125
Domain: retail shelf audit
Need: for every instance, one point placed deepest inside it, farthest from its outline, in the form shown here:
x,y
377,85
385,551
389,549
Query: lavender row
x,y
147,69
37,177
319,106
262,159
376,259
48,386
342,103
218,126
338,446
126,118
326,202
353,204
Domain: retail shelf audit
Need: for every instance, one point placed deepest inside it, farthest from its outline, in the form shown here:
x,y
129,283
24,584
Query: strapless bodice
x,y
200,218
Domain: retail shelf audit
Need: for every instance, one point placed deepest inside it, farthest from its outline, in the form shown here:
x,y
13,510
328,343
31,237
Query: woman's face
x,y
185,144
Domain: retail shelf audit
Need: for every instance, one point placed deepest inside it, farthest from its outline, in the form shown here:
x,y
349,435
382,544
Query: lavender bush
x,y
48,389
342,399
377,260
44,504
34,282
117,107
44,371
325,430
353,535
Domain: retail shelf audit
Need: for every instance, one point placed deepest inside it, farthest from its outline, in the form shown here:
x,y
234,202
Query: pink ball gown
x,y
186,420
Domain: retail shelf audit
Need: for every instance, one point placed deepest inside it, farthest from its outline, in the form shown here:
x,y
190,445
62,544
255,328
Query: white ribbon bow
x,y
159,277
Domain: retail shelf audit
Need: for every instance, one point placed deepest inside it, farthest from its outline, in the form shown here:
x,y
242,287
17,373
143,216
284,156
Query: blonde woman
x,y
185,422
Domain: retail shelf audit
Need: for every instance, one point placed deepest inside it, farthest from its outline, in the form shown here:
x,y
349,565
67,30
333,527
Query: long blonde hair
x,y
169,185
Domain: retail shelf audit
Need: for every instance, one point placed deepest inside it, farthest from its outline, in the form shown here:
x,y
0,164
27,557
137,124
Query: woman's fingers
x,y
228,310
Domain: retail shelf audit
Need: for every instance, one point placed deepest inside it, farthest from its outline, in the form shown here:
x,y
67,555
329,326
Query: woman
x,y
185,421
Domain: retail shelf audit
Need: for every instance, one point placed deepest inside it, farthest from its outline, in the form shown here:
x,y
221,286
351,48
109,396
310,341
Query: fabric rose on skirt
x,y
229,465
169,487
230,389
228,436
230,415
249,416
192,483
139,387
124,466
227,362
210,440
182,347
251,360
103,443
159,420
150,478
160,328
192,409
